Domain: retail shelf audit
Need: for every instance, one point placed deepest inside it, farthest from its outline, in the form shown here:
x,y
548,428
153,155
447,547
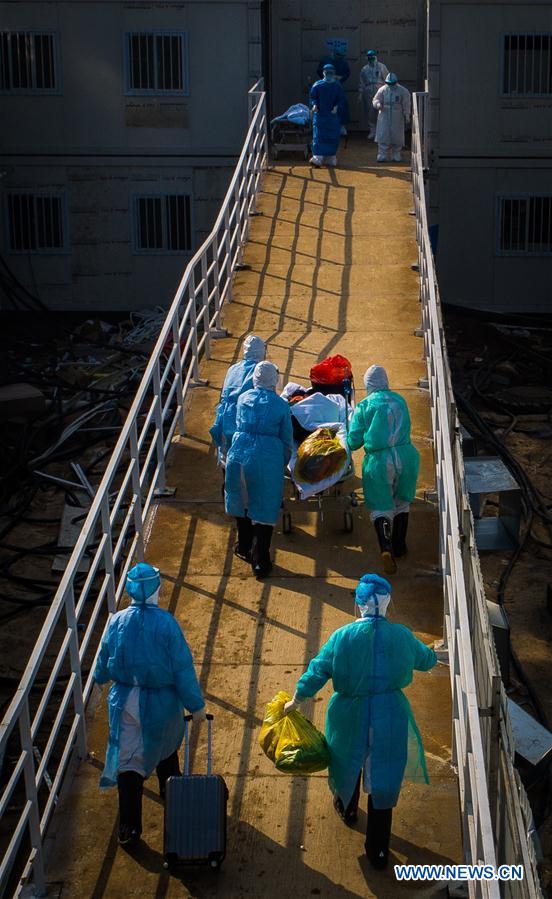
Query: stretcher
x,y
333,497
292,131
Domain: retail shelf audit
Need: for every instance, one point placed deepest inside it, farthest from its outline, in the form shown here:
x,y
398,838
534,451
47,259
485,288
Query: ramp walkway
x,y
330,260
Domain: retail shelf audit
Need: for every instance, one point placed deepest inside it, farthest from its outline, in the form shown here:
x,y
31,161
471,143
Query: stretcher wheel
x,y
347,522
286,523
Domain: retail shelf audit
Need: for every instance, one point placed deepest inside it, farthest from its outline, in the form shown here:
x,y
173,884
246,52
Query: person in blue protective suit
x,y
381,423
370,729
342,72
239,378
146,656
326,97
255,464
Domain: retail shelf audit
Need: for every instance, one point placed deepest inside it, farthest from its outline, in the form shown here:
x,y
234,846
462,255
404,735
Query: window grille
x,y
163,224
527,64
27,62
156,63
526,225
36,223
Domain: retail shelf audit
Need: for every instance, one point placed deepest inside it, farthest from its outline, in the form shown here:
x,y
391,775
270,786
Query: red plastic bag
x,y
332,370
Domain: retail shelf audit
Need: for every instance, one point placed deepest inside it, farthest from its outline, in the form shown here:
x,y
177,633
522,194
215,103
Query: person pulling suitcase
x,y
145,655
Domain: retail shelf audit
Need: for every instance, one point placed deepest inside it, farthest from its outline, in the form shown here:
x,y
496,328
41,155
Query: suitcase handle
x,y
187,719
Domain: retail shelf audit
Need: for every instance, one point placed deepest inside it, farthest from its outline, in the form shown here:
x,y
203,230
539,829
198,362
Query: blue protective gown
x,y
239,378
342,72
144,647
326,126
261,448
381,422
369,722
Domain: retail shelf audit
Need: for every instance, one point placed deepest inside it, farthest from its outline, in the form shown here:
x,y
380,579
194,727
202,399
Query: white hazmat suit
x,y
393,104
372,77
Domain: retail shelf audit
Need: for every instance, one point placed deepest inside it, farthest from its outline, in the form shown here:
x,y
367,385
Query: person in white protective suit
x,y
372,77
392,102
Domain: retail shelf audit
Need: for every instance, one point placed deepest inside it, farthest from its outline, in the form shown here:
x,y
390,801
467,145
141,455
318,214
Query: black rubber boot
x,y
260,562
383,530
378,834
398,538
242,548
130,785
166,768
350,814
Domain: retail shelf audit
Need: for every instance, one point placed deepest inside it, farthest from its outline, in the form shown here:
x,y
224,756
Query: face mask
x,y
329,76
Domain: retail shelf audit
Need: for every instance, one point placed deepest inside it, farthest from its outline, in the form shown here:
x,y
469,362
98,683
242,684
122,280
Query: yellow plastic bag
x,y
319,457
291,741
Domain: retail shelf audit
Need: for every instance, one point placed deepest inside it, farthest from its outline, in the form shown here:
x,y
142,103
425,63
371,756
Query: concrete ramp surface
x,y
330,261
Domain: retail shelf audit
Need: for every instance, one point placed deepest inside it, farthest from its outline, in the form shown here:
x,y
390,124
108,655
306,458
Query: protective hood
x,y
291,389
143,581
375,378
265,374
373,595
254,348
391,78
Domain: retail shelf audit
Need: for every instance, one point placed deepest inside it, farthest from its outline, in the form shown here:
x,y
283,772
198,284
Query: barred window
x,y
526,225
36,223
28,62
527,64
163,224
156,63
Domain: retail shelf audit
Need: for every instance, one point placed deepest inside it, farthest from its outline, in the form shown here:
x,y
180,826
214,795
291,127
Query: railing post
x,y
264,141
74,654
495,748
205,304
218,323
426,131
193,324
137,491
108,553
252,164
31,795
238,219
178,370
160,443
228,254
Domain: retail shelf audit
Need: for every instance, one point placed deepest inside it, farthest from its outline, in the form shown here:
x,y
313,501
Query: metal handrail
x,y
495,811
50,727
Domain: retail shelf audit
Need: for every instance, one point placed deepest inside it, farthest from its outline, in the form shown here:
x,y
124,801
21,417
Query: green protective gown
x,y
381,423
369,722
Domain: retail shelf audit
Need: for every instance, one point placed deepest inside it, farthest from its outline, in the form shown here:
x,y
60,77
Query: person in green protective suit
x,y
381,423
370,728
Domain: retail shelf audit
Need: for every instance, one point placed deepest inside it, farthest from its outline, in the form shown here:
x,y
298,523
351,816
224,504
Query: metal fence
x,y
45,723
496,815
